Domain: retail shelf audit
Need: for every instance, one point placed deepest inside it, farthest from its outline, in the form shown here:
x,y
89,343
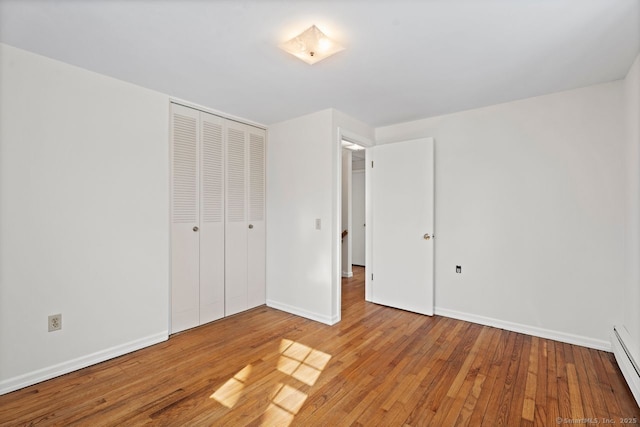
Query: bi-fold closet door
x,y
245,256
217,217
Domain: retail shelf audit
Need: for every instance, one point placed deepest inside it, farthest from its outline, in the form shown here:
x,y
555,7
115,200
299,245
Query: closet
x,y
217,217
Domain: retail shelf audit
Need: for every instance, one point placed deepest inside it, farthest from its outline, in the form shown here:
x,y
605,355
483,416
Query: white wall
x,y
358,164
304,264
530,202
358,218
299,191
83,217
631,319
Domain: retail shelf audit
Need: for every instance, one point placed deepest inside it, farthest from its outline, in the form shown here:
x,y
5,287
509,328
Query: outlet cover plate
x,y
55,322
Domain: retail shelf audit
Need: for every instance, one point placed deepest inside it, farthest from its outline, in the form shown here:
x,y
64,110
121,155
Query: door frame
x,y
347,135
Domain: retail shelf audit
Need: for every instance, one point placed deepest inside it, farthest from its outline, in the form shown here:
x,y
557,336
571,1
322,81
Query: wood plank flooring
x,y
378,367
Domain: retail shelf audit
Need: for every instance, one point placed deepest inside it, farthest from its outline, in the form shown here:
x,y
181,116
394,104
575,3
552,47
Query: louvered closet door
x,y
236,298
211,218
256,256
184,217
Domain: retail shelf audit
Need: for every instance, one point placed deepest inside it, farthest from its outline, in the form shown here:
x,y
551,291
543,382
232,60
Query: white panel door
x,y
211,218
403,223
184,219
236,298
256,250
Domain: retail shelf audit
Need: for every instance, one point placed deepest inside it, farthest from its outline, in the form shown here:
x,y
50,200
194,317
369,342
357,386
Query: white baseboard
x,y
303,313
629,371
25,380
347,274
526,329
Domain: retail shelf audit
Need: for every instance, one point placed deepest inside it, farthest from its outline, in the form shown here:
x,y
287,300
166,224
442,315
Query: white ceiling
x,y
404,59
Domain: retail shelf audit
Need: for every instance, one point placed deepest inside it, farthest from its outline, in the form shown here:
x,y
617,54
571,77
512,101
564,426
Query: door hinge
x,y
371,276
371,163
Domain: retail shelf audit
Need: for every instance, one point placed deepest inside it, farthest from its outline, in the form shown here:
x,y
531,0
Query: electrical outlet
x,y
55,322
458,269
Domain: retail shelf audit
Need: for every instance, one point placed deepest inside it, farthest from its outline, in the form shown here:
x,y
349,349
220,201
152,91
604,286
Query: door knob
x,y
195,228
427,237
250,225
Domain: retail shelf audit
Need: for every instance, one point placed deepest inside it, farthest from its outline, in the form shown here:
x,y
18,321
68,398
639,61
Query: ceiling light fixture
x,y
311,46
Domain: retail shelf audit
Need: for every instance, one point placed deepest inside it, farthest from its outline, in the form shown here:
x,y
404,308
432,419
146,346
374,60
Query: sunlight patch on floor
x,y
297,361
275,416
229,393
289,398
301,362
286,401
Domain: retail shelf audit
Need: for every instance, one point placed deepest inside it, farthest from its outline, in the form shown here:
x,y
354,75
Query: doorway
x,y
353,222
358,139
403,246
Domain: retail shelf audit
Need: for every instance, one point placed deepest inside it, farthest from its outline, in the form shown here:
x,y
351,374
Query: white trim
x,y
624,362
335,309
347,274
169,216
44,374
368,232
303,313
527,329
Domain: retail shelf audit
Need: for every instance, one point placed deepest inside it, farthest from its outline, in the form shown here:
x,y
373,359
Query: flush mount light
x,y
311,46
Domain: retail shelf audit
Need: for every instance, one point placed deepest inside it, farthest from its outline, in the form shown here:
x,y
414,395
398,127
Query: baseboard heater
x,y
627,363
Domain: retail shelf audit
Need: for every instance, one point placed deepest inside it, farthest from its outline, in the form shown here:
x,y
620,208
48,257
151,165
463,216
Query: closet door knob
x,y
250,225
195,228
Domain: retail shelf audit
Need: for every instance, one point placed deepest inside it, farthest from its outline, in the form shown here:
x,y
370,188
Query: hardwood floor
x,y
379,366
